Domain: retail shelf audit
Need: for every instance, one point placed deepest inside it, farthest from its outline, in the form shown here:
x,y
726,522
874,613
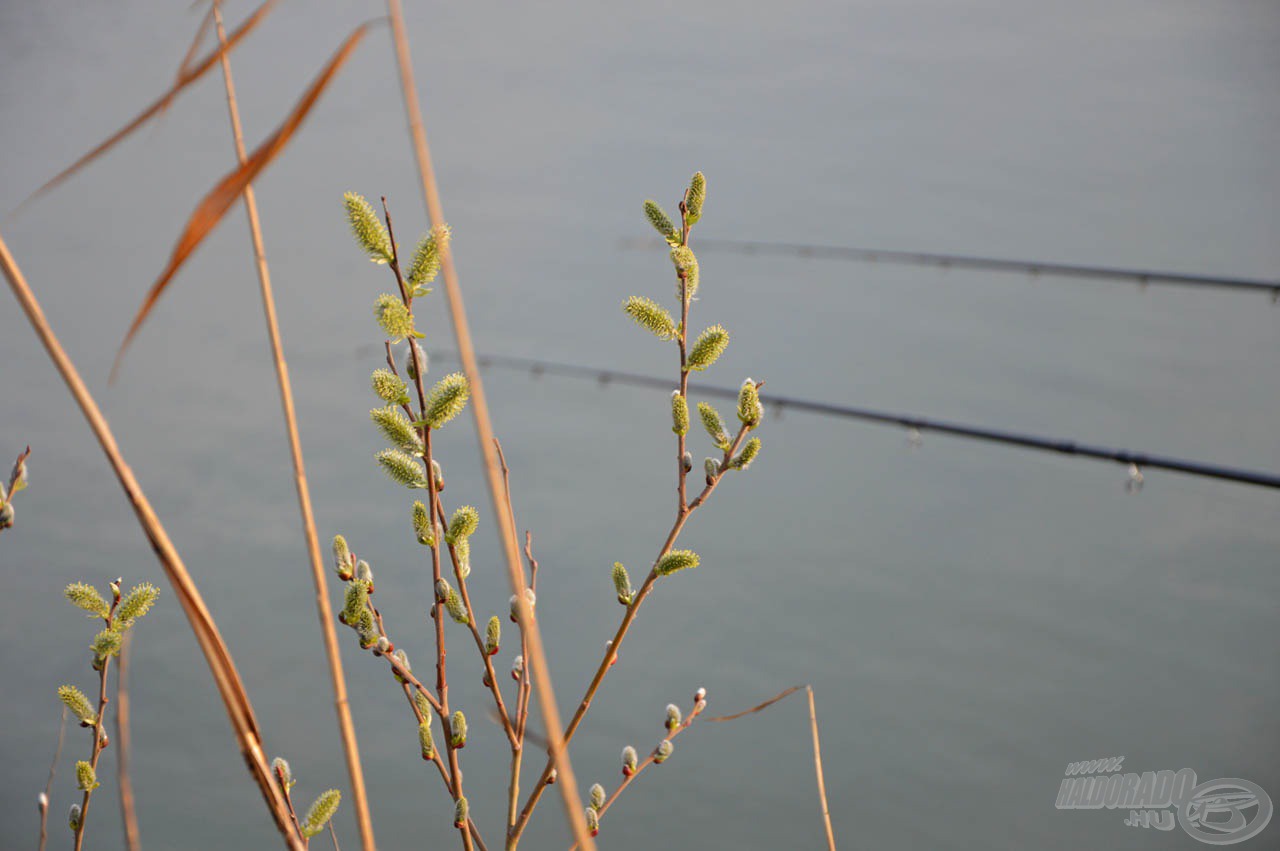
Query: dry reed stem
x,y
506,525
48,786
217,655
360,801
128,813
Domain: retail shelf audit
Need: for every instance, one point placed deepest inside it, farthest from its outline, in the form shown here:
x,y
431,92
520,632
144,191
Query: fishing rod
x,y
914,424
968,261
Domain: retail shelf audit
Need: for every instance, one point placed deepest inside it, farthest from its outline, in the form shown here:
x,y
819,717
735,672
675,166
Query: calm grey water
x,y
972,618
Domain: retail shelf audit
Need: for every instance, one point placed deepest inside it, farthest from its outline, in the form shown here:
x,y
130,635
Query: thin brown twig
x,y
337,678
817,767
128,813
48,786
217,655
480,410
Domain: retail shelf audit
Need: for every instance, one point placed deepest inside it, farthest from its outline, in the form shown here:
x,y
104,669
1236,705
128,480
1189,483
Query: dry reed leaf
x,y
211,209
189,58
184,80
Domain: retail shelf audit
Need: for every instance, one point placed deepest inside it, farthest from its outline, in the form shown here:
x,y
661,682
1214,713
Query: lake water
x,y
972,618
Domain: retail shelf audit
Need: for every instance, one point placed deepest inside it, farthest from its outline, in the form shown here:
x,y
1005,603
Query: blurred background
x,y
973,618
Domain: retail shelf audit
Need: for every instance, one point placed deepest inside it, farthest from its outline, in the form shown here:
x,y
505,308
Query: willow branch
x,y
48,785
484,431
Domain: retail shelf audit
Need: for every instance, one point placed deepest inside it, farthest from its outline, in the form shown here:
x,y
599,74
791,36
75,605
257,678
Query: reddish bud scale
x,y
627,771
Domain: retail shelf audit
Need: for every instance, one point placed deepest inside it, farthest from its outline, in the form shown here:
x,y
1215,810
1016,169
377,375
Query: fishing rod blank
x,y
991,264
915,424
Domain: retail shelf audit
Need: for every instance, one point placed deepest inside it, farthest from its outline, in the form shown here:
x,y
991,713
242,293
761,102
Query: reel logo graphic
x,y
1218,812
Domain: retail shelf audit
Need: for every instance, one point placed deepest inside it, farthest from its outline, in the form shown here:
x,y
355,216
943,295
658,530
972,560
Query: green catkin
x,y
448,398
456,608
388,387
402,468
322,809
424,706
397,429
105,645
394,318
714,425
425,740
747,455
622,584
341,558
710,344
461,812
679,413
356,603
651,316
458,730
462,550
711,466
86,597
463,524
368,231
135,604
597,796
422,525
675,561
750,410
697,195
493,636
686,264
86,778
426,259
79,705
661,222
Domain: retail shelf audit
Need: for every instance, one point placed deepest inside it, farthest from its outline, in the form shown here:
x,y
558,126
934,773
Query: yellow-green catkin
x,y
664,750
675,561
366,227
86,597
622,584
322,809
86,778
747,455
714,425
686,264
393,317
79,705
463,524
651,316
422,525
750,410
695,199
661,222
402,468
493,636
388,387
397,429
458,730
135,604
596,796
708,348
342,561
426,260
448,397
461,812
425,740
456,607
679,413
